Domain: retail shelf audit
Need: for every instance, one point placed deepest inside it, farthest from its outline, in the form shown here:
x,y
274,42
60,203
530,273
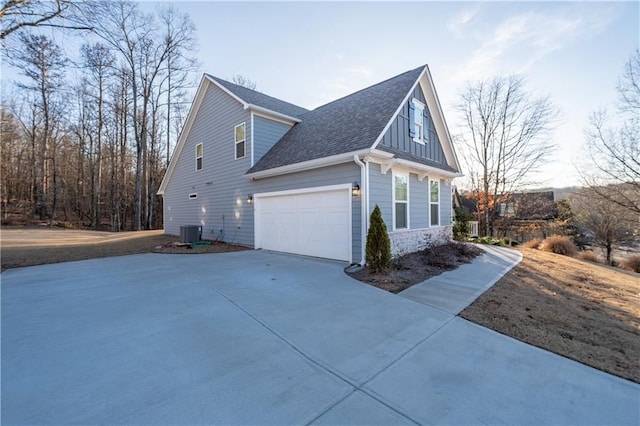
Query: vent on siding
x,y
193,195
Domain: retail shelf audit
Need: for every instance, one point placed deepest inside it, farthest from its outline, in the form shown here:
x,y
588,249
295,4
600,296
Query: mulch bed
x,y
414,268
203,247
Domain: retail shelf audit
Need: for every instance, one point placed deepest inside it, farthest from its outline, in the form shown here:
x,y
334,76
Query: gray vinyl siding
x,y
221,183
221,207
381,193
397,136
418,202
345,173
445,203
266,134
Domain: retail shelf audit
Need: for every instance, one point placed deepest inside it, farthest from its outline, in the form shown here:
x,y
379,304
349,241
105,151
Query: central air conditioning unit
x,y
190,233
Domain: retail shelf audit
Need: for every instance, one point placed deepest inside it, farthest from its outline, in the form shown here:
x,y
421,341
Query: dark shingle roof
x,y
348,124
261,100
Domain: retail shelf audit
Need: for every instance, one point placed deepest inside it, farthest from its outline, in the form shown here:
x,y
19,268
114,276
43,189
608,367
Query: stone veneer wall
x,y
403,242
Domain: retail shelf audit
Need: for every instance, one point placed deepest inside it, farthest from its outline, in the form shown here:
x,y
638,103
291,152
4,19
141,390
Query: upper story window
x,y
239,134
417,129
401,201
434,202
199,152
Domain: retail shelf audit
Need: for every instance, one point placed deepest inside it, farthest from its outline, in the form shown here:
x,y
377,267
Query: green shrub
x,y
631,263
461,224
559,244
378,249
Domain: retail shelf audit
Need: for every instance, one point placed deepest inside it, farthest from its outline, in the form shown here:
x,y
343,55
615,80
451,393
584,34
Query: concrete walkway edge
x,y
453,291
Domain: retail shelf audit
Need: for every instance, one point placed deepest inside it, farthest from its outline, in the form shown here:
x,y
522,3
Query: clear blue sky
x,y
312,53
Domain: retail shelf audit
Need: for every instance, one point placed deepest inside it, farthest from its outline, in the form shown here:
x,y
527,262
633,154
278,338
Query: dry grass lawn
x,y
37,246
584,311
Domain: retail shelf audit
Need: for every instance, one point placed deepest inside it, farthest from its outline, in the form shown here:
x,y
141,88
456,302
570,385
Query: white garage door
x,y
313,223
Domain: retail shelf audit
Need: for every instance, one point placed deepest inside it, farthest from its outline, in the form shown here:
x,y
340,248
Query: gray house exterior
x,y
251,169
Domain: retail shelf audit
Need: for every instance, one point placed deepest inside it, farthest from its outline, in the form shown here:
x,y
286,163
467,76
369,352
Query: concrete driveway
x,y
262,338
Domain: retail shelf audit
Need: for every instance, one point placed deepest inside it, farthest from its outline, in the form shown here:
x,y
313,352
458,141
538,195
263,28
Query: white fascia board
x,y
227,91
395,114
191,116
418,168
441,124
317,163
272,114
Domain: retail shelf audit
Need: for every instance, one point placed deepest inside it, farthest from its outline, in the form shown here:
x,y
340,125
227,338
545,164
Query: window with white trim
x,y
417,121
400,201
239,135
199,153
434,202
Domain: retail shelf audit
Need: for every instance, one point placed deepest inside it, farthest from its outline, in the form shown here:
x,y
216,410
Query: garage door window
x,y
401,201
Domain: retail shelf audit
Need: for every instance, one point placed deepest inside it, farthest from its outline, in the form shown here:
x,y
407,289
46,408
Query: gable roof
x,y
349,124
252,97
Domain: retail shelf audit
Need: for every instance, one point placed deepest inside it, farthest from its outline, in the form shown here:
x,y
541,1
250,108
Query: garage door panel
x,y
313,224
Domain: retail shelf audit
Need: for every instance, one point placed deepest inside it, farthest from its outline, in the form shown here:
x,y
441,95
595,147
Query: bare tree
x,y
243,81
608,223
507,136
17,14
99,61
43,63
612,166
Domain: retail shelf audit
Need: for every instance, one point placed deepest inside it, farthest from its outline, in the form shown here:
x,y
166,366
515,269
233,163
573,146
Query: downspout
x,y
364,193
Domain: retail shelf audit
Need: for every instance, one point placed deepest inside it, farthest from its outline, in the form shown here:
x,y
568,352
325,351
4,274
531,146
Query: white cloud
x,y
459,21
519,41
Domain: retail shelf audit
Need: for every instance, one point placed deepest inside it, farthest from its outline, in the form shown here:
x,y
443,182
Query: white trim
x,y
418,168
440,122
317,163
394,201
289,122
274,114
304,190
432,203
227,91
186,129
236,142
251,125
346,187
201,157
418,105
393,117
364,190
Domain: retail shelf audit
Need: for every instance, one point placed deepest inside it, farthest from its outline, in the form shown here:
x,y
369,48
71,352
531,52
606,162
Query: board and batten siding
x,y
397,136
220,207
266,133
345,173
381,193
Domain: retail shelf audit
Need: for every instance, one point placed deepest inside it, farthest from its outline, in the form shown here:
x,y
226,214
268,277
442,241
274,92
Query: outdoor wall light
x,y
355,189
250,198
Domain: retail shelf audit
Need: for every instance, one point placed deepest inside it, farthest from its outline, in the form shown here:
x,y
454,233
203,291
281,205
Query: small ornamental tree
x,y
378,250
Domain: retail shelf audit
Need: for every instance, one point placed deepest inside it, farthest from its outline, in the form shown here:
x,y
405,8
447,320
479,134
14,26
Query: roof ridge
x,y
370,87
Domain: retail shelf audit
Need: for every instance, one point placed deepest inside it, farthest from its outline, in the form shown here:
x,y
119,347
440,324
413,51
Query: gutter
x,y
319,162
364,193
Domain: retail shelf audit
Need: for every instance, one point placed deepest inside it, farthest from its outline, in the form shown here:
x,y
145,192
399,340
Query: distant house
x,y
526,215
255,170
529,206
